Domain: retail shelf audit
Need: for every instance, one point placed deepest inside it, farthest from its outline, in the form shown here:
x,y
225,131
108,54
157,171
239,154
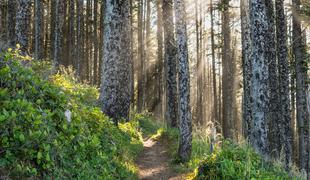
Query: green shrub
x,y
233,162
38,139
149,126
228,161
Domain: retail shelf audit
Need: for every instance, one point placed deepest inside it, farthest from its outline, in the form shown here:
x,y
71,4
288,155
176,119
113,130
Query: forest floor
x,y
154,161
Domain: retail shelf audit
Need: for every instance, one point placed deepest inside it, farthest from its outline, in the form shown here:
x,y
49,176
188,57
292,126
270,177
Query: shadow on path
x,y
153,162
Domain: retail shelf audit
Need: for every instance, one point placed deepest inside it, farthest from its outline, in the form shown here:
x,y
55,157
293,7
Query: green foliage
x,y
38,139
238,162
148,125
227,161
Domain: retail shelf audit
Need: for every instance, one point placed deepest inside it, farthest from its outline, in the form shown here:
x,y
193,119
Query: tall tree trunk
x,y
116,74
259,80
228,75
274,106
148,83
79,35
170,64
160,58
47,39
247,67
53,27
71,43
284,84
185,145
59,22
199,98
299,51
95,41
132,4
203,71
102,15
22,24
141,57
3,12
11,21
215,110
65,33
87,59
39,24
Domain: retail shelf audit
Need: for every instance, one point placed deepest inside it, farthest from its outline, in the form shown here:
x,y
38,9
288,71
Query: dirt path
x,y
153,162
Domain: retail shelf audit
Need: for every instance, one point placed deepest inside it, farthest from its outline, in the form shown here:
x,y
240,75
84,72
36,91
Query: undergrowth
x,y
51,127
225,160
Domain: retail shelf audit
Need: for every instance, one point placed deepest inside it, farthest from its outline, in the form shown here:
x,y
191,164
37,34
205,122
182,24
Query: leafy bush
x,y
227,160
238,162
52,128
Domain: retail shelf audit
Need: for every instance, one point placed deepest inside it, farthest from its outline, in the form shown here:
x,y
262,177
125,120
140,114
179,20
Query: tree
x,y
299,51
72,32
3,5
170,64
11,17
79,36
259,78
160,58
39,29
246,64
22,24
284,89
228,75
95,41
199,69
141,57
215,98
59,22
102,13
185,144
116,74
147,62
52,27
274,103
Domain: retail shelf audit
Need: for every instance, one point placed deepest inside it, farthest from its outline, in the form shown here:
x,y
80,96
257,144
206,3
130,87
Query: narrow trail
x,y
153,162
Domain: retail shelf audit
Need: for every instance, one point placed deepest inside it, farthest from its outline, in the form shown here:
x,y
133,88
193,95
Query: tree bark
x,y
79,35
170,63
185,144
59,22
215,98
72,33
22,24
260,79
11,21
299,51
116,74
102,15
53,27
284,84
141,58
199,68
39,29
228,75
3,12
160,59
274,106
247,67
95,41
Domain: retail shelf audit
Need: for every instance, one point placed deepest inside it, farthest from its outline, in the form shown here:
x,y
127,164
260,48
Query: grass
x,y
226,160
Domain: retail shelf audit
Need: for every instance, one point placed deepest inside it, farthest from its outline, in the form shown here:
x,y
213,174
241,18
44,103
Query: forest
x,y
155,89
